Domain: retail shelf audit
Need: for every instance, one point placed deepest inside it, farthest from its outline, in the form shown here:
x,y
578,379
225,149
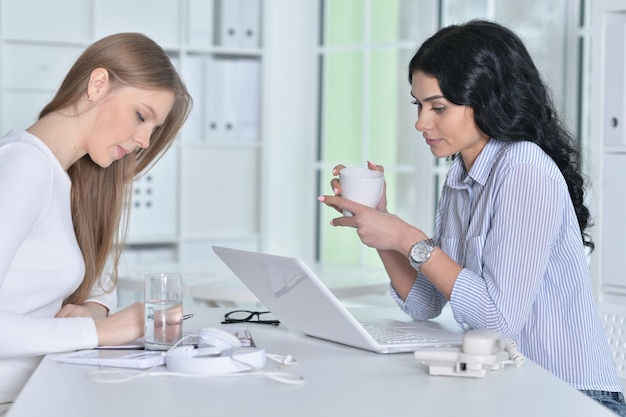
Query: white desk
x,y
339,381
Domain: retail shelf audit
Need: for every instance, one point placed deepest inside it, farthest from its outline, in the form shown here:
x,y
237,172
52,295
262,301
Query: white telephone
x,y
482,351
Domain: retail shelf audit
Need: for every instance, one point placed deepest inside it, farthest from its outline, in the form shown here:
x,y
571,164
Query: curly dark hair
x,y
486,66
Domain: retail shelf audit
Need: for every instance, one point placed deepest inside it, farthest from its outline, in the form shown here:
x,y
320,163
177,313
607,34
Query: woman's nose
x,y
421,124
143,139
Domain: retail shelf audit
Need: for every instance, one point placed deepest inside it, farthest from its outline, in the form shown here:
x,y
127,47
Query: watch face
x,y
421,252
422,249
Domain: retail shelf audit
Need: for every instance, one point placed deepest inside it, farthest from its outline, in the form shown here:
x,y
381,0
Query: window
x,y
365,110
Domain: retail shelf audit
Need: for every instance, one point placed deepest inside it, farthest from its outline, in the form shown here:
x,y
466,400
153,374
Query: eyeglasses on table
x,y
247,316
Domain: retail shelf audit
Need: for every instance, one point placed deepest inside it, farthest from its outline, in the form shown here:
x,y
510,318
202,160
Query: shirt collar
x,y
458,176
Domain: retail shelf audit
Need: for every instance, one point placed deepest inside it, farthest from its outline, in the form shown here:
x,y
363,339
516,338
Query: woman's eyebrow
x,y
436,97
427,99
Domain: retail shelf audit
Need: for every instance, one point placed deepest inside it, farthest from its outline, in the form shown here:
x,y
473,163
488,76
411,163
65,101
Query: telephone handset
x,y
482,351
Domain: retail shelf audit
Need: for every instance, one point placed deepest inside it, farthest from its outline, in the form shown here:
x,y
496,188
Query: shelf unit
x,y
608,149
208,188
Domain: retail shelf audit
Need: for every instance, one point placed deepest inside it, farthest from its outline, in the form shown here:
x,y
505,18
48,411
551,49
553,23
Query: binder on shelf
x,y
218,95
200,30
227,23
229,125
233,99
248,103
237,23
250,33
615,86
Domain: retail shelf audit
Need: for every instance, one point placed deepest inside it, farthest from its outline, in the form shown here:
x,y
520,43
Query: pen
x,y
187,316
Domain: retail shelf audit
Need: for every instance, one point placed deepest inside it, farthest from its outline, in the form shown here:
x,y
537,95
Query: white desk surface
x,y
339,381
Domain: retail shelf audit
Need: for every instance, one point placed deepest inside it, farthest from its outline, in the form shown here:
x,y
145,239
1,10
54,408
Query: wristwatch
x,y
420,253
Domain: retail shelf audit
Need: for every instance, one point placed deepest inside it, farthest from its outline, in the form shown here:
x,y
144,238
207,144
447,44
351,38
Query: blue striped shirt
x,y
511,225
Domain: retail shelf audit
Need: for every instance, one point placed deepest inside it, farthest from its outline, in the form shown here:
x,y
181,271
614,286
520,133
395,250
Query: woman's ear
x,y
98,83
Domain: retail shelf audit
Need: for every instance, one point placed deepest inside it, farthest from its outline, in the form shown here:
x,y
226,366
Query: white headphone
x,y
218,352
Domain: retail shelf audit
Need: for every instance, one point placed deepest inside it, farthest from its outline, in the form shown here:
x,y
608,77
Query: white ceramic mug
x,y
361,185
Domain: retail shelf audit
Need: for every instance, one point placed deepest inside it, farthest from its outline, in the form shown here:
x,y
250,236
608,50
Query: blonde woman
x,y
64,184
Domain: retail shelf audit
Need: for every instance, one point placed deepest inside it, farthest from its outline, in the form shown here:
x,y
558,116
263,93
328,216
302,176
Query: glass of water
x,y
164,310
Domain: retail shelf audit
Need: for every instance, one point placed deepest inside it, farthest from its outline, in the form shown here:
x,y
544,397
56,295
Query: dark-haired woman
x,y
509,248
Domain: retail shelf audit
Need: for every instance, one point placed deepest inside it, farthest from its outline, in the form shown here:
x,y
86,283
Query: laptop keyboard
x,y
385,335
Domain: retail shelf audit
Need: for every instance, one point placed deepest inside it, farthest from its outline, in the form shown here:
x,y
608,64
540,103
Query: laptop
x,y
301,301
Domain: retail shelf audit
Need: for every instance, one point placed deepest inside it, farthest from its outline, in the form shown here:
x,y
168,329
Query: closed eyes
x,y
435,109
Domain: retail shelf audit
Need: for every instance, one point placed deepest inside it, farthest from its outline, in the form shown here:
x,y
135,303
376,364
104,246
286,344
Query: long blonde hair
x,y
100,196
